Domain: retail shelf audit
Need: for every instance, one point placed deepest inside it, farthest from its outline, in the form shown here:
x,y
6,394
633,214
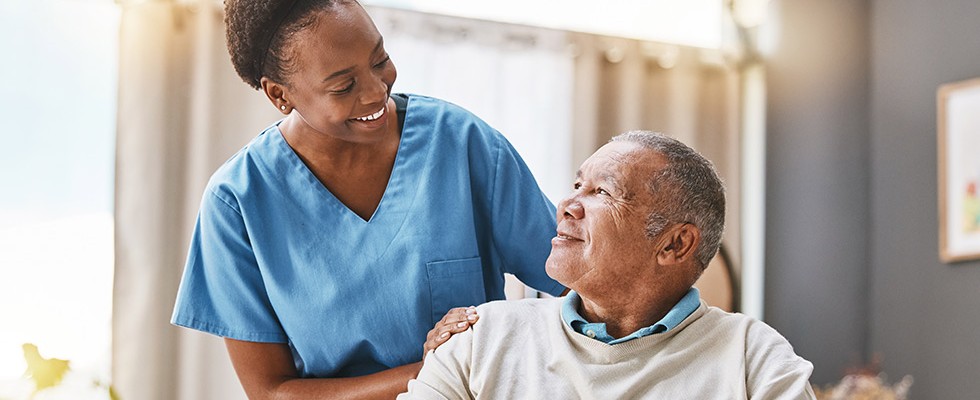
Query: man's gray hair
x,y
689,190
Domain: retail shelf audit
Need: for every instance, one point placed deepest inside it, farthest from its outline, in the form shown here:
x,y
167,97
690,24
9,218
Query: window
x,y
56,174
690,22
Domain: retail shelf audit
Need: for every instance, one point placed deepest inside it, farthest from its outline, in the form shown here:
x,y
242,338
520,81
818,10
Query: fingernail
x,y
444,334
471,310
461,324
471,317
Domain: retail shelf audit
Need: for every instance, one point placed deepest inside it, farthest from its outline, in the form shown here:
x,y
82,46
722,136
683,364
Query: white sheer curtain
x,y
183,111
517,78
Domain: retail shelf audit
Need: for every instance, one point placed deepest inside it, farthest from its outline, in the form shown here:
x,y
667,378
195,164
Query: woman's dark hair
x,y
258,31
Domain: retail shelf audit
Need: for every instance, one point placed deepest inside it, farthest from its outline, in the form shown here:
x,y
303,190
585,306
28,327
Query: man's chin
x,y
555,271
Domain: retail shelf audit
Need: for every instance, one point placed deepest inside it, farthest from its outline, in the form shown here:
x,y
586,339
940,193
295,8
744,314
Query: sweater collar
x,y
597,330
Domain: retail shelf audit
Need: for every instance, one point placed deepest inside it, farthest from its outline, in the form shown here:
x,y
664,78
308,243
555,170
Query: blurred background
x,y
820,115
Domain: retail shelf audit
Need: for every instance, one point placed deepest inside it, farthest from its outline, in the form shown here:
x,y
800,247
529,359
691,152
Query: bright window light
x,y
689,22
56,174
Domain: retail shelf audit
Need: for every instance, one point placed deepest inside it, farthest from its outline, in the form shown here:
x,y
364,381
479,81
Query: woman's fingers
x,y
455,321
463,322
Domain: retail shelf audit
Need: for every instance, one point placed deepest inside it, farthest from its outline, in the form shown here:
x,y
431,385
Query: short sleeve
x,y
524,220
222,291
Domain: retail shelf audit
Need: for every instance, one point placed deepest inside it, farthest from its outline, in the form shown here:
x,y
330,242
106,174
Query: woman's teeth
x,y
372,117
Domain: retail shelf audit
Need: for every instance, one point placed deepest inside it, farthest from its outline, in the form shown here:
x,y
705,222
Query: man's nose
x,y
570,208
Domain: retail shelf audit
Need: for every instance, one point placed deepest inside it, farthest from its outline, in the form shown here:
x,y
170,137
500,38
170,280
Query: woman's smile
x,y
372,117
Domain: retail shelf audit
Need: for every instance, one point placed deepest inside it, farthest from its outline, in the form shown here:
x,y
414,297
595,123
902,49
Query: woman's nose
x,y
375,92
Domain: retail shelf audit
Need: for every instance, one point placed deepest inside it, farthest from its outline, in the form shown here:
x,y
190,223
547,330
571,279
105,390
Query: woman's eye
x,y
602,191
346,89
383,63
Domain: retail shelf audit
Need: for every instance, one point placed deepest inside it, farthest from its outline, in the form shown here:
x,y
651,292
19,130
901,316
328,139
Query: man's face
x,y
601,244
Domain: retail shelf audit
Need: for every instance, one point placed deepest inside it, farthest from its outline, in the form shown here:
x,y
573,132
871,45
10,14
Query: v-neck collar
x,y
399,192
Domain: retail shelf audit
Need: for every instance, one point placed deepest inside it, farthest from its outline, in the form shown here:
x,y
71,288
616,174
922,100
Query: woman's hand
x,y
456,320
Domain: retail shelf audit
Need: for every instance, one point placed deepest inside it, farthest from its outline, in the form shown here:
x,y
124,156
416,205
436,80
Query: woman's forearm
x,y
267,372
381,385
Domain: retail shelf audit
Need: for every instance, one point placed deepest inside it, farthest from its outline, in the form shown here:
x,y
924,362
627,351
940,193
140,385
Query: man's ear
x,y
276,92
679,243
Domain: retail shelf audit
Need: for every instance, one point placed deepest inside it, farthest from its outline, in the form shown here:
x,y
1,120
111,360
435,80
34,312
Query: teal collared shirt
x,y
597,330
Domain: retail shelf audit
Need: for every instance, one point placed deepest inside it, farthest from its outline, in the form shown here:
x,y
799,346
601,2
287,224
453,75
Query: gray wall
x,y
817,178
925,315
852,250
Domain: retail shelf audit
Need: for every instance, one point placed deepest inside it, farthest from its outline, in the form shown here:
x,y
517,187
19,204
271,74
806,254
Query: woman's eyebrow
x,y
344,71
348,70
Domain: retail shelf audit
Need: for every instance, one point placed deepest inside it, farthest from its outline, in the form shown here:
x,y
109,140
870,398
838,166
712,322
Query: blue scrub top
x,y
275,257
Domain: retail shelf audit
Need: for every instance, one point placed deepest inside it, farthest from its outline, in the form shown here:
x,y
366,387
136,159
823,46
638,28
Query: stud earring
x,y
282,107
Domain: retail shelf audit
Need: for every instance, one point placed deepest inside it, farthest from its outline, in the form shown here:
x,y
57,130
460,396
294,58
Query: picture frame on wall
x,y
959,170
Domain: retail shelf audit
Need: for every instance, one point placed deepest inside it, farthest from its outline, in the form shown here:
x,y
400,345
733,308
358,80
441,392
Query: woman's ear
x,y
276,93
679,243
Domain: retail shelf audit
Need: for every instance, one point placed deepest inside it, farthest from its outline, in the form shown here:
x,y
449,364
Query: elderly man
x,y
645,217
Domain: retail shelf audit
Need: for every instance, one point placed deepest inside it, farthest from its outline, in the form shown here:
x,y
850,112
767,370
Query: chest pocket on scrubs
x,y
455,283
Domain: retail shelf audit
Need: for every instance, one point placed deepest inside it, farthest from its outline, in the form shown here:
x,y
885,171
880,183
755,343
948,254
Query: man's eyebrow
x,y
605,177
348,70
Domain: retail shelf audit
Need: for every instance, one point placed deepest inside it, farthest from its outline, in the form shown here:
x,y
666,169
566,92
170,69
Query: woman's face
x,y
341,77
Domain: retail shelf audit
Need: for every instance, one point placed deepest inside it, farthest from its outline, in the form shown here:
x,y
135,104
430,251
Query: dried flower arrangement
x,y
865,387
866,383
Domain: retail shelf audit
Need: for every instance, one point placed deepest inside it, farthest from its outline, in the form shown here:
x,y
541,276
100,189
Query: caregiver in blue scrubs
x,y
329,250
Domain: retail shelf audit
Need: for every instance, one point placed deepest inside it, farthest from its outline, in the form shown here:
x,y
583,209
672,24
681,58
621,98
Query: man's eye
x,y
383,63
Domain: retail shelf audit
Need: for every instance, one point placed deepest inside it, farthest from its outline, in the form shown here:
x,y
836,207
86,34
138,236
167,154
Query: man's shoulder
x,y
757,337
759,328
504,311
509,329
772,366
511,307
718,316
729,321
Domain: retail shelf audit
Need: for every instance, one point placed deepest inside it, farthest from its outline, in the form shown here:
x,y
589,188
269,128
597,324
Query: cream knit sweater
x,y
523,350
